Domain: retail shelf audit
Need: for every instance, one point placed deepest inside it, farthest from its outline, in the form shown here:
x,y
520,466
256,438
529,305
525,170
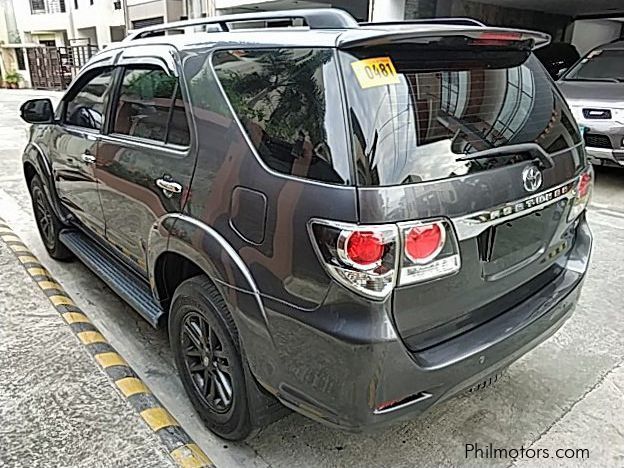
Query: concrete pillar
x,y
387,10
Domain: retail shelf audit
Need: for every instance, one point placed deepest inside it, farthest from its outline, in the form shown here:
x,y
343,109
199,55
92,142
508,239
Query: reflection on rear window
x,y
288,101
415,130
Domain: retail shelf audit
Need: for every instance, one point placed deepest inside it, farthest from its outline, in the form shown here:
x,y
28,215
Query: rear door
x,y
145,162
473,134
74,146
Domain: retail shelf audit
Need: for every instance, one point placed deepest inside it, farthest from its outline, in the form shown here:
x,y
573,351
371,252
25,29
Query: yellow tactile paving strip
x,y
180,446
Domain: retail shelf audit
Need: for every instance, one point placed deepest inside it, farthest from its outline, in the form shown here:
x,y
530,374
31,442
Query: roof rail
x,y
452,21
318,18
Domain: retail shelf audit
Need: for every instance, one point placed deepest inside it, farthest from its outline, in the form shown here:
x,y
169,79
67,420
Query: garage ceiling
x,y
565,7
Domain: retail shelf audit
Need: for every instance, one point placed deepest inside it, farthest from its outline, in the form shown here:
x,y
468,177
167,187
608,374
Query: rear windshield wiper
x,y
533,149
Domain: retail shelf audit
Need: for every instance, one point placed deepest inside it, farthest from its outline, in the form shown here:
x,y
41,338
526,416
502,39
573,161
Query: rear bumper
x,y
343,364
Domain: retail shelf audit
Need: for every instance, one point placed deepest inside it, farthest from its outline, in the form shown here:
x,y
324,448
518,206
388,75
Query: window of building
x,y
37,6
143,23
19,56
86,107
150,107
288,101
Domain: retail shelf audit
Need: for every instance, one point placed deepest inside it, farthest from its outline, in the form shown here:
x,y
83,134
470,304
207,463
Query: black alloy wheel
x,y
43,217
48,223
207,363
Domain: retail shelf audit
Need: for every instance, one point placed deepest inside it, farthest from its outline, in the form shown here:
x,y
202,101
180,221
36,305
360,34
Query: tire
x,y
197,307
47,222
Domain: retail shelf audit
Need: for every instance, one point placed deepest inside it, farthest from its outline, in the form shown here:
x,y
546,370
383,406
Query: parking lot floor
x,y
57,408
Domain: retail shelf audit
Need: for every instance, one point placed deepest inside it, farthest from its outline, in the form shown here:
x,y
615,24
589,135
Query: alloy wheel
x,y
43,216
207,363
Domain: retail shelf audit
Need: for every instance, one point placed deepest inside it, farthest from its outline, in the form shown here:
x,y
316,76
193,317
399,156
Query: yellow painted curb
x,y
61,300
90,337
157,418
110,359
190,456
76,317
131,386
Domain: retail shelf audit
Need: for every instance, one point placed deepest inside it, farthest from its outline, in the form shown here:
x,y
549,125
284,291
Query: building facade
x,y
27,24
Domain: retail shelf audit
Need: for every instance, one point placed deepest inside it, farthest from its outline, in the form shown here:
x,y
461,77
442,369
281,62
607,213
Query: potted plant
x,y
12,79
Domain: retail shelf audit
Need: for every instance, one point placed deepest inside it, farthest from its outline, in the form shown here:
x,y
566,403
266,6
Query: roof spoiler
x,y
487,35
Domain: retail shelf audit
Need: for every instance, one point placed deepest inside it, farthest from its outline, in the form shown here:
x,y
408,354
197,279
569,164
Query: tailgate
x,y
475,134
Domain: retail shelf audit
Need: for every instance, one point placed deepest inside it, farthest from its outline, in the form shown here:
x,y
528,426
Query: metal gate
x,y
56,67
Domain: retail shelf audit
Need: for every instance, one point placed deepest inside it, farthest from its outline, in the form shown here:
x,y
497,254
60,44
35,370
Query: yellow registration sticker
x,y
378,71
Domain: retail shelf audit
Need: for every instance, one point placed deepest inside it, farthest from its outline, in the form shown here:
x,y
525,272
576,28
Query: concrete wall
x,y
101,16
74,23
144,9
388,10
587,34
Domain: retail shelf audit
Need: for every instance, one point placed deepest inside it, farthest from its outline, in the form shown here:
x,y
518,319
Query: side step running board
x,y
115,274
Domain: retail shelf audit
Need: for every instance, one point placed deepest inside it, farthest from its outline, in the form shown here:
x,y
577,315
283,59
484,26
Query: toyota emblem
x,y
532,178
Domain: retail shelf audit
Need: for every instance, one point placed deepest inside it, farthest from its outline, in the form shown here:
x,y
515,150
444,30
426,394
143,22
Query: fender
x,y
204,246
36,156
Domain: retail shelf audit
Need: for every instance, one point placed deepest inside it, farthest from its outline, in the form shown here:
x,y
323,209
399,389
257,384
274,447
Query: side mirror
x,y
37,111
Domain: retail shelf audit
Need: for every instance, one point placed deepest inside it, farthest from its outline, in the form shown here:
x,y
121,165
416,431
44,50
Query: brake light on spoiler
x,y
371,260
489,38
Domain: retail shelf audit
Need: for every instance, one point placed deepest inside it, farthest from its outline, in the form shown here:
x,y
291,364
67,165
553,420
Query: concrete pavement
x,y
56,407
566,394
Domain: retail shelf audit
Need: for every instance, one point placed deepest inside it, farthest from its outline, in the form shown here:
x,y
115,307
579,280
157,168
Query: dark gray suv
x,y
352,221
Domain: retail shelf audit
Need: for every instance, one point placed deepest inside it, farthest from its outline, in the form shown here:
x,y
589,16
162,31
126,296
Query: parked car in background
x,y
557,57
594,89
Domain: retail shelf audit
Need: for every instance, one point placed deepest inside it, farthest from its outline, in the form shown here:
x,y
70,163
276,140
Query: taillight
x,y
423,243
373,259
363,258
362,249
584,185
582,193
430,251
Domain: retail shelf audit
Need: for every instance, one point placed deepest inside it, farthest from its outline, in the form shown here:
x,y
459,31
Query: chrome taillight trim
x,y
339,273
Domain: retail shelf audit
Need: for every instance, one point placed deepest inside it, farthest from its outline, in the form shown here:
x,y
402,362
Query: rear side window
x,y
150,106
416,125
288,101
86,109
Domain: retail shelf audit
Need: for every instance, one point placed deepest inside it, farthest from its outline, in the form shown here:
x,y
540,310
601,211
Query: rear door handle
x,y
169,187
87,158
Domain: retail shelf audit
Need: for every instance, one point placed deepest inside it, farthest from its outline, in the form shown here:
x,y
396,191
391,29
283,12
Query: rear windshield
x,y
599,65
412,118
288,101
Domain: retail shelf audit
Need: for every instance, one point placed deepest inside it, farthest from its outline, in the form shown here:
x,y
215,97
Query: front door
x,y
144,163
74,147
